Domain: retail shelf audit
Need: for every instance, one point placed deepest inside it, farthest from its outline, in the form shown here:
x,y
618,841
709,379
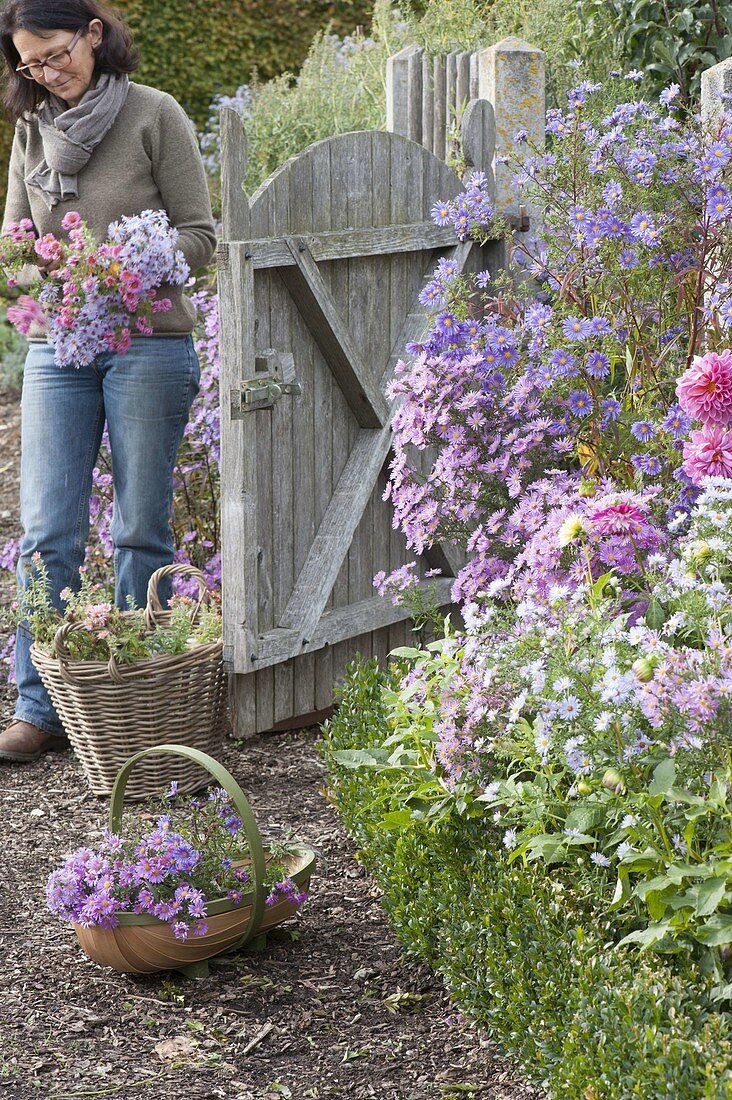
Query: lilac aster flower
x,y
599,859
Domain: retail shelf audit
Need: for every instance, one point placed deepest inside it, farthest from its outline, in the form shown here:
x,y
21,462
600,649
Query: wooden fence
x,y
319,277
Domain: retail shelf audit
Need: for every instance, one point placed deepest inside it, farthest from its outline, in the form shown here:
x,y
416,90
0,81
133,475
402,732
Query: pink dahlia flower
x,y
622,518
705,389
709,453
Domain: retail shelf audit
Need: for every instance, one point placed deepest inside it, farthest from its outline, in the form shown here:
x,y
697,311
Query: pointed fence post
x,y
404,93
511,76
715,82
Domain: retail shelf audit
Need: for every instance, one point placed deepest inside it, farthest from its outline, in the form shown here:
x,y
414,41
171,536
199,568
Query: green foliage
x,y
672,41
529,956
13,350
200,47
102,630
342,84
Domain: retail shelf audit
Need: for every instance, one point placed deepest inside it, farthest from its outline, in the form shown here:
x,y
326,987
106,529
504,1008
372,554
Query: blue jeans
x,y
145,397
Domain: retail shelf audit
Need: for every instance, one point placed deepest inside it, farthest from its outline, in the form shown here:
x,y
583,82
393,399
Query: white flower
x,y
603,720
562,683
623,849
509,839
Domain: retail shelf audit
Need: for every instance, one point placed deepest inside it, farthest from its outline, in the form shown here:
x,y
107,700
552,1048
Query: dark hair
x,y
115,54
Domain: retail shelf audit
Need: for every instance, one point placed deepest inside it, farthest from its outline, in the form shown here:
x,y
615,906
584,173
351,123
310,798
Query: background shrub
x,y
530,958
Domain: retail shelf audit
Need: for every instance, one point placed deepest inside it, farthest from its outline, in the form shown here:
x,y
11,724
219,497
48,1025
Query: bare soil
x,y
328,1009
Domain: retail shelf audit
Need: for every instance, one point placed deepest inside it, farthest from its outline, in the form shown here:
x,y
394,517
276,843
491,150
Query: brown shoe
x,y
22,743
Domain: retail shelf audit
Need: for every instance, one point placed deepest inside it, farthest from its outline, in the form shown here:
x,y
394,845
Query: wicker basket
x,y
111,711
142,944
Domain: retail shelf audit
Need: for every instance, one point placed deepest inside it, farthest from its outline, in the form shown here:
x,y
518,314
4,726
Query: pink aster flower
x,y
71,220
705,389
709,453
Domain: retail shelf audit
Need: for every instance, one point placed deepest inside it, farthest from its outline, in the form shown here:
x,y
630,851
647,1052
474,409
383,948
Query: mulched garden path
x,y
327,1009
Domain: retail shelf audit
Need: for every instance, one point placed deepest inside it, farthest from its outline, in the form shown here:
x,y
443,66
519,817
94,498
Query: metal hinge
x,y
275,378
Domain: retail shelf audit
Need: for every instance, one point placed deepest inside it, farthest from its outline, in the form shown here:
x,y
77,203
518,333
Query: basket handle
x,y
226,780
64,659
154,606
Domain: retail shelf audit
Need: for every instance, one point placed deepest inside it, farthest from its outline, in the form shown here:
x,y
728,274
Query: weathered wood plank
x,y
372,241
399,75
415,323
283,333
478,139
312,297
440,121
462,82
344,624
361,274
322,411
428,103
235,219
305,431
341,418
263,223
238,480
450,96
335,536
414,93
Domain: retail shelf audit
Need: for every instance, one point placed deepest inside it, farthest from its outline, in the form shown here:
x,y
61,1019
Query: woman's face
x,y
71,82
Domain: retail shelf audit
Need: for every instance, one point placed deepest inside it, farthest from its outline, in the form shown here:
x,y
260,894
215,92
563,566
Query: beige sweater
x,y
149,160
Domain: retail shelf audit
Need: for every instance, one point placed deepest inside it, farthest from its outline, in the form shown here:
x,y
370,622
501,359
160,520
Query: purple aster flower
x,y
599,859
612,192
646,464
668,95
643,430
446,322
610,408
627,259
442,213
580,403
576,328
598,365
562,361
676,422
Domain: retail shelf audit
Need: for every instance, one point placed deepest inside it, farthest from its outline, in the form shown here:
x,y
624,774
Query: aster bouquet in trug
x,y
97,295
167,869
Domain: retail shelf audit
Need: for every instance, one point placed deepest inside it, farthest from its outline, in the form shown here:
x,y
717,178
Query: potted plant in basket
x,y
168,892
126,680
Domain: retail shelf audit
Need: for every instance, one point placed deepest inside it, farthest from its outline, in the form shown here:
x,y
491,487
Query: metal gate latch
x,y
275,378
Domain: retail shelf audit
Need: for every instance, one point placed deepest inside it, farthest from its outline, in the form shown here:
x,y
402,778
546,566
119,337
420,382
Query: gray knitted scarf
x,y
70,135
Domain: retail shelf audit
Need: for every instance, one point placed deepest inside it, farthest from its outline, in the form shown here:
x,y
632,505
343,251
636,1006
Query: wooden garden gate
x,y
319,277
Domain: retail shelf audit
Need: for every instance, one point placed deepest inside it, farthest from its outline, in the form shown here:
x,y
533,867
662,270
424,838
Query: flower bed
x,y
544,791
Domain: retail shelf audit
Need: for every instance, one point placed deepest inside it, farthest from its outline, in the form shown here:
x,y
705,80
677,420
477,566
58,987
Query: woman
x,y
87,139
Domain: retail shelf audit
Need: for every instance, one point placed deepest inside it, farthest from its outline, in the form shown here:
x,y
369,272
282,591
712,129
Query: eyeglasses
x,y
57,61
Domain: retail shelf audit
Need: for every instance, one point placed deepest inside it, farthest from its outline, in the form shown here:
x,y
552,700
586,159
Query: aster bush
x,y
170,871
594,362
587,721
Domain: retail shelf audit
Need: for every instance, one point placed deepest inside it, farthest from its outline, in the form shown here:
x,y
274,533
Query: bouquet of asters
x,y
96,296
